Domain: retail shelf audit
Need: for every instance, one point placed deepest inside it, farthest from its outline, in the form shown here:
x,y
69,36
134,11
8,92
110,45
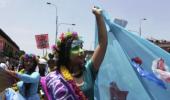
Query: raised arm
x,y
100,51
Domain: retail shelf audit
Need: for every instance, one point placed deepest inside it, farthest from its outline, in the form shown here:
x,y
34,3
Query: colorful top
x,y
56,87
89,76
34,80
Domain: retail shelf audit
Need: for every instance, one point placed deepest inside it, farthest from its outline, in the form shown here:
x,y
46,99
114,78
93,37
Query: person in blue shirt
x,y
29,80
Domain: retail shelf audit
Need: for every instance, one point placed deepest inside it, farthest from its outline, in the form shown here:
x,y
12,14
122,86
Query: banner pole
x,y
43,51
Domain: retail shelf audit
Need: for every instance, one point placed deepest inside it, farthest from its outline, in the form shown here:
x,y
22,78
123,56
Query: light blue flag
x,y
116,67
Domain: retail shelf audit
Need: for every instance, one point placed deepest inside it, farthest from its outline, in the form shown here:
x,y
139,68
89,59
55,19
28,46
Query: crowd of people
x,y
27,76
64,75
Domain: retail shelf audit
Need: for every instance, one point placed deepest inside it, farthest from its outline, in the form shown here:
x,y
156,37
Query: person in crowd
x,y
28,81
73,78
5,63
51,62
42,67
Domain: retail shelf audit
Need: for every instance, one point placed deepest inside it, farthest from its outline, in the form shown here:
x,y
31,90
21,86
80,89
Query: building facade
x,y
8,48
164,44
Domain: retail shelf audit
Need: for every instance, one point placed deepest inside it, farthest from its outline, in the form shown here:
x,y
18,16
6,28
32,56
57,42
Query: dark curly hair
x,y
64,53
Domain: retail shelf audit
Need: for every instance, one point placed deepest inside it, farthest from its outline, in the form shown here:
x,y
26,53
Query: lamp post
x,y
58,24
66,24
140,25
56,19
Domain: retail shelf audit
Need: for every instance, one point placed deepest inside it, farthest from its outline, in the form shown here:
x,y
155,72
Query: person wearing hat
x,y
51,62
42,67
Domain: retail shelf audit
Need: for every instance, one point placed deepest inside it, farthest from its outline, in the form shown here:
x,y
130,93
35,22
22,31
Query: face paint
x,y
77,51
76,48
76,43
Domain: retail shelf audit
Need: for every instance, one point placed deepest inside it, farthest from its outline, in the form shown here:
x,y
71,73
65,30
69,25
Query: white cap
x,y
42,61
2,65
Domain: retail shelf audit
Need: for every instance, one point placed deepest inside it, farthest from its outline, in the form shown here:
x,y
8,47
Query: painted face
x,y
76,48
77,53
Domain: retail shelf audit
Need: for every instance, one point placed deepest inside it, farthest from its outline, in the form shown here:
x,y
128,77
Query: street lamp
x,y
65,24
58,24
140,23
56,19
133,31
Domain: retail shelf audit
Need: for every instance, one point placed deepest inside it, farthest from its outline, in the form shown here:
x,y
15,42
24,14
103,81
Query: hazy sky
x,y
23,19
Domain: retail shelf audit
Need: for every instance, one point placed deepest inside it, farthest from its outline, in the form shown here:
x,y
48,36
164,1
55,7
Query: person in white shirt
x,y
42,67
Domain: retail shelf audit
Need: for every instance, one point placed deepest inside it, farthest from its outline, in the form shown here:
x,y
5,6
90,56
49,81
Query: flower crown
x,y
63,38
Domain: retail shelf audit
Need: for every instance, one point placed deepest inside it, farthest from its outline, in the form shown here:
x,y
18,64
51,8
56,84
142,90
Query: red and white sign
x,y
1,45
42,41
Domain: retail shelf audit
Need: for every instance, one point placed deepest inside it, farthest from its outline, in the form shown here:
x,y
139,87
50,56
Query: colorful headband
x,y
28,56
54,48
64,37
76,43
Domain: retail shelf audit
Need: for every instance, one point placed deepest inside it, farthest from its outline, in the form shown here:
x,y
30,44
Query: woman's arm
x,y
100,51
34,77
